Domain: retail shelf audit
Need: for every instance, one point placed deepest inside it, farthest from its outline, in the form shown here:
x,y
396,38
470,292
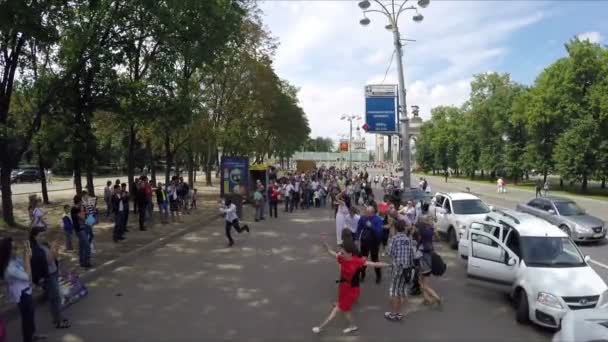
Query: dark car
x,y
416,195
27,175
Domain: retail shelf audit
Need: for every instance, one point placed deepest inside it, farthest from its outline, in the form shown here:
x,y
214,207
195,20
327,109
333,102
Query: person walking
x,y
68,227
228,209
289,196
401,251
118,208
425,233
45,272
38,221
16,270
348,290
163,203
546,188
342,216
141,199
173,200
539,188
258,200
273,195
370,233
124,194
107,198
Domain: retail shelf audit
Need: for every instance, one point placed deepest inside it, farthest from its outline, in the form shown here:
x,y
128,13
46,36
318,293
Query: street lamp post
x,y
392,9
350,119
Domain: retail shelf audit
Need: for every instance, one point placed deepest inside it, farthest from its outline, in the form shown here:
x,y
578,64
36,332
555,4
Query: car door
x,y
438,207
490,259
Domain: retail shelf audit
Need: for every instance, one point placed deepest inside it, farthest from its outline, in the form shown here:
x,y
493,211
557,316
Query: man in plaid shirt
x,y
401,250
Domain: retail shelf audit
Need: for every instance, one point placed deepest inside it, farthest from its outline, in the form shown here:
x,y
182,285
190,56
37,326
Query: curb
x,y
13,312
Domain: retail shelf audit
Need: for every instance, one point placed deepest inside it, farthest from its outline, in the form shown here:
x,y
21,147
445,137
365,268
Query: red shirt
x,y
348,294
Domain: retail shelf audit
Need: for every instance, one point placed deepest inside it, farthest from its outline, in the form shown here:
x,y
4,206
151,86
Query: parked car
x,y
568,216
540,267
453,212
589,325
27,175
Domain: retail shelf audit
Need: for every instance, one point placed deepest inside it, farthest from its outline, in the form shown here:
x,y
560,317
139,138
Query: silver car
x,y
568,216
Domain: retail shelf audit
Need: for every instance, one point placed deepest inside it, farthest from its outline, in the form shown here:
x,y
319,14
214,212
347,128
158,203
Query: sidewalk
x,y
107,252
513,195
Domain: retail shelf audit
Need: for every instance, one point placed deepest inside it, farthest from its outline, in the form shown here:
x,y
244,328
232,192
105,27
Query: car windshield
x,y
470,207
542,251
567,208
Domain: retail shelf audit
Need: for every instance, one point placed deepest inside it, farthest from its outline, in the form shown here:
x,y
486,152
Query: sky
x,y
330,57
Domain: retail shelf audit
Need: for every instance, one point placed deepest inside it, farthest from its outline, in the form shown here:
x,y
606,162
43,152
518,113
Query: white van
x,y
537,263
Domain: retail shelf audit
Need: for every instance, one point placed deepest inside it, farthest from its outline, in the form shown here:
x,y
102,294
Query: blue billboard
x,y
235,174
381,108
381,114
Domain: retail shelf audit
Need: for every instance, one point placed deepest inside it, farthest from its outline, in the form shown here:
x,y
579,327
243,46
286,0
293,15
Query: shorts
x,y
400,277
426,262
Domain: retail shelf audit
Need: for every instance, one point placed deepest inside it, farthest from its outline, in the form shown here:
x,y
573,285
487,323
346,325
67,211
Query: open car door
x,y
489,259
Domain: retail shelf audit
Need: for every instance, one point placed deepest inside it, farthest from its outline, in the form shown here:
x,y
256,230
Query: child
x,y
68,228
348,291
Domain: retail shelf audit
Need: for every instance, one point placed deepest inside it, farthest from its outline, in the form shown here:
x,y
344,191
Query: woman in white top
x,y
228,209
16,269
342,216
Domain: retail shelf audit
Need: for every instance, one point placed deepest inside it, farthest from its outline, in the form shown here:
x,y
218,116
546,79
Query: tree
x,y
576,151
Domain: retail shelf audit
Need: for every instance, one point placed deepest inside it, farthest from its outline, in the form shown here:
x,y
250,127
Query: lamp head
x,y
418,18
424,3
364,4
365,21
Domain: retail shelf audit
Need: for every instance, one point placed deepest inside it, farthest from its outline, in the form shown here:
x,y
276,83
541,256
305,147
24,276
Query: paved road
x,y
274,285
487,192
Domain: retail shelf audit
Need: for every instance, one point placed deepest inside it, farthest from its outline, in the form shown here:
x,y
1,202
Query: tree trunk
x,y
584,184
77,176
152,171
208,163
90,182
45,193
603,182
545,174
7,199
131,159
190,167
168,159
561,183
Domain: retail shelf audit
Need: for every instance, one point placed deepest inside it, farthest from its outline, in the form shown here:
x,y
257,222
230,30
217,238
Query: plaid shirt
x,y
401,250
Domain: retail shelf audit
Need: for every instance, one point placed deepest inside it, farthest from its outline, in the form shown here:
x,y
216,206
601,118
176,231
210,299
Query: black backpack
x,y
438,267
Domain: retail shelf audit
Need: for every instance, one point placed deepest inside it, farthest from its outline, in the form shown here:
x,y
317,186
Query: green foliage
x,y
558,125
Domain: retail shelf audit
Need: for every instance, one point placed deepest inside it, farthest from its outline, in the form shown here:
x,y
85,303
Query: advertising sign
x,y
381,109
359,146
343,145
235,174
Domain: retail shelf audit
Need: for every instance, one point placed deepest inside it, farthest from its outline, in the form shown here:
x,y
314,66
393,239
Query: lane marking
x,y
599,264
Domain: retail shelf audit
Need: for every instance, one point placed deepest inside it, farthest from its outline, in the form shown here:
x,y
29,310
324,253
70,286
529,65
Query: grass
x,y
594,189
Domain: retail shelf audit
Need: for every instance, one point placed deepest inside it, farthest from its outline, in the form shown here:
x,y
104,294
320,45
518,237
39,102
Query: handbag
x,y
438,266
71,289
90,220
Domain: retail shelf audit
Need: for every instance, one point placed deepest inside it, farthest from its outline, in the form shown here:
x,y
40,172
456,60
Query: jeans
x,y
28,325
68,240
84,248
273,205
259,211
142,215
163,209
89,230
371,248
288,204
296,201
54,294
108,208
118,225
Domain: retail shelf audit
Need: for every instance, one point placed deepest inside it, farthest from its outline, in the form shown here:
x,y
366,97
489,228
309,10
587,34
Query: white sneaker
x,y
316,330
350,330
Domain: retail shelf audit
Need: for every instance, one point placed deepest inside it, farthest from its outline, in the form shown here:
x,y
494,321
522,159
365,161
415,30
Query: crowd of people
x,y
35,261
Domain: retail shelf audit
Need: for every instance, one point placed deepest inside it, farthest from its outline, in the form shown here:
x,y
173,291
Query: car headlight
x,y
603,302
582,229
548,300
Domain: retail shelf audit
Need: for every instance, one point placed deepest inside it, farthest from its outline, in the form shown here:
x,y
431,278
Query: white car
x,y
454,212
537,263
590,325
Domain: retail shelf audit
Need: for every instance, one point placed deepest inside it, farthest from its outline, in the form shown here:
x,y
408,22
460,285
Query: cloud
x,y
593,37
330,57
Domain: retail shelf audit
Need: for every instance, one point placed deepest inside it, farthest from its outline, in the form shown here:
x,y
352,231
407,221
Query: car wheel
x,y
565,229
452,240
522,313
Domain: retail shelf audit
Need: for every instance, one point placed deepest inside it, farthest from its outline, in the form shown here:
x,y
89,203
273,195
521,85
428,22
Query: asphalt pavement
x,y
275,284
